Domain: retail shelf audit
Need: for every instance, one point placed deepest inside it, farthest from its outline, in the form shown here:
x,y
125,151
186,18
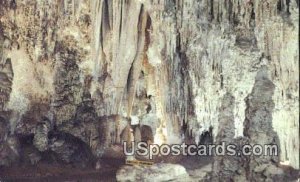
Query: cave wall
x,y
168,63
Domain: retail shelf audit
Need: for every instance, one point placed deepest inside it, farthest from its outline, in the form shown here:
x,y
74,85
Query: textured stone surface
x,y
6,78
69,149
159,172
257,130
84,64
9,152
227,167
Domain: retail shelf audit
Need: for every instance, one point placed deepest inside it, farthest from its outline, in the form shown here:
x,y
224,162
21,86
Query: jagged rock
x,y
34,158
31,155
67,82
226,167
6,79
169,63
84,125
226,120
7,158
202,173
28,122
108,133
258,123
40,140
9,145
258,130
4,128
71,150
9,152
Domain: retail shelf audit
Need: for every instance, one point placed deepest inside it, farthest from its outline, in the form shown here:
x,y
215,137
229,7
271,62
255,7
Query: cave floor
x,y
107,172
56,172
51,172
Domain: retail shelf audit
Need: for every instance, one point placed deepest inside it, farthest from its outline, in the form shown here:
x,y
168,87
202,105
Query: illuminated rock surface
x,y
159,172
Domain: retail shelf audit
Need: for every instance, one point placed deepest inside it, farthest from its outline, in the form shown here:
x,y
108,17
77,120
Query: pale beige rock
x,y
157,172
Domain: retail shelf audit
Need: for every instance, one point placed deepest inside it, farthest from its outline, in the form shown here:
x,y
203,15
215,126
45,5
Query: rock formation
x,y
161,172
258,130
85,71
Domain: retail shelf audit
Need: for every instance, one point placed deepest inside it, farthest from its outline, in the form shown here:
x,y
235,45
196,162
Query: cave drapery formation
x,y
86,68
